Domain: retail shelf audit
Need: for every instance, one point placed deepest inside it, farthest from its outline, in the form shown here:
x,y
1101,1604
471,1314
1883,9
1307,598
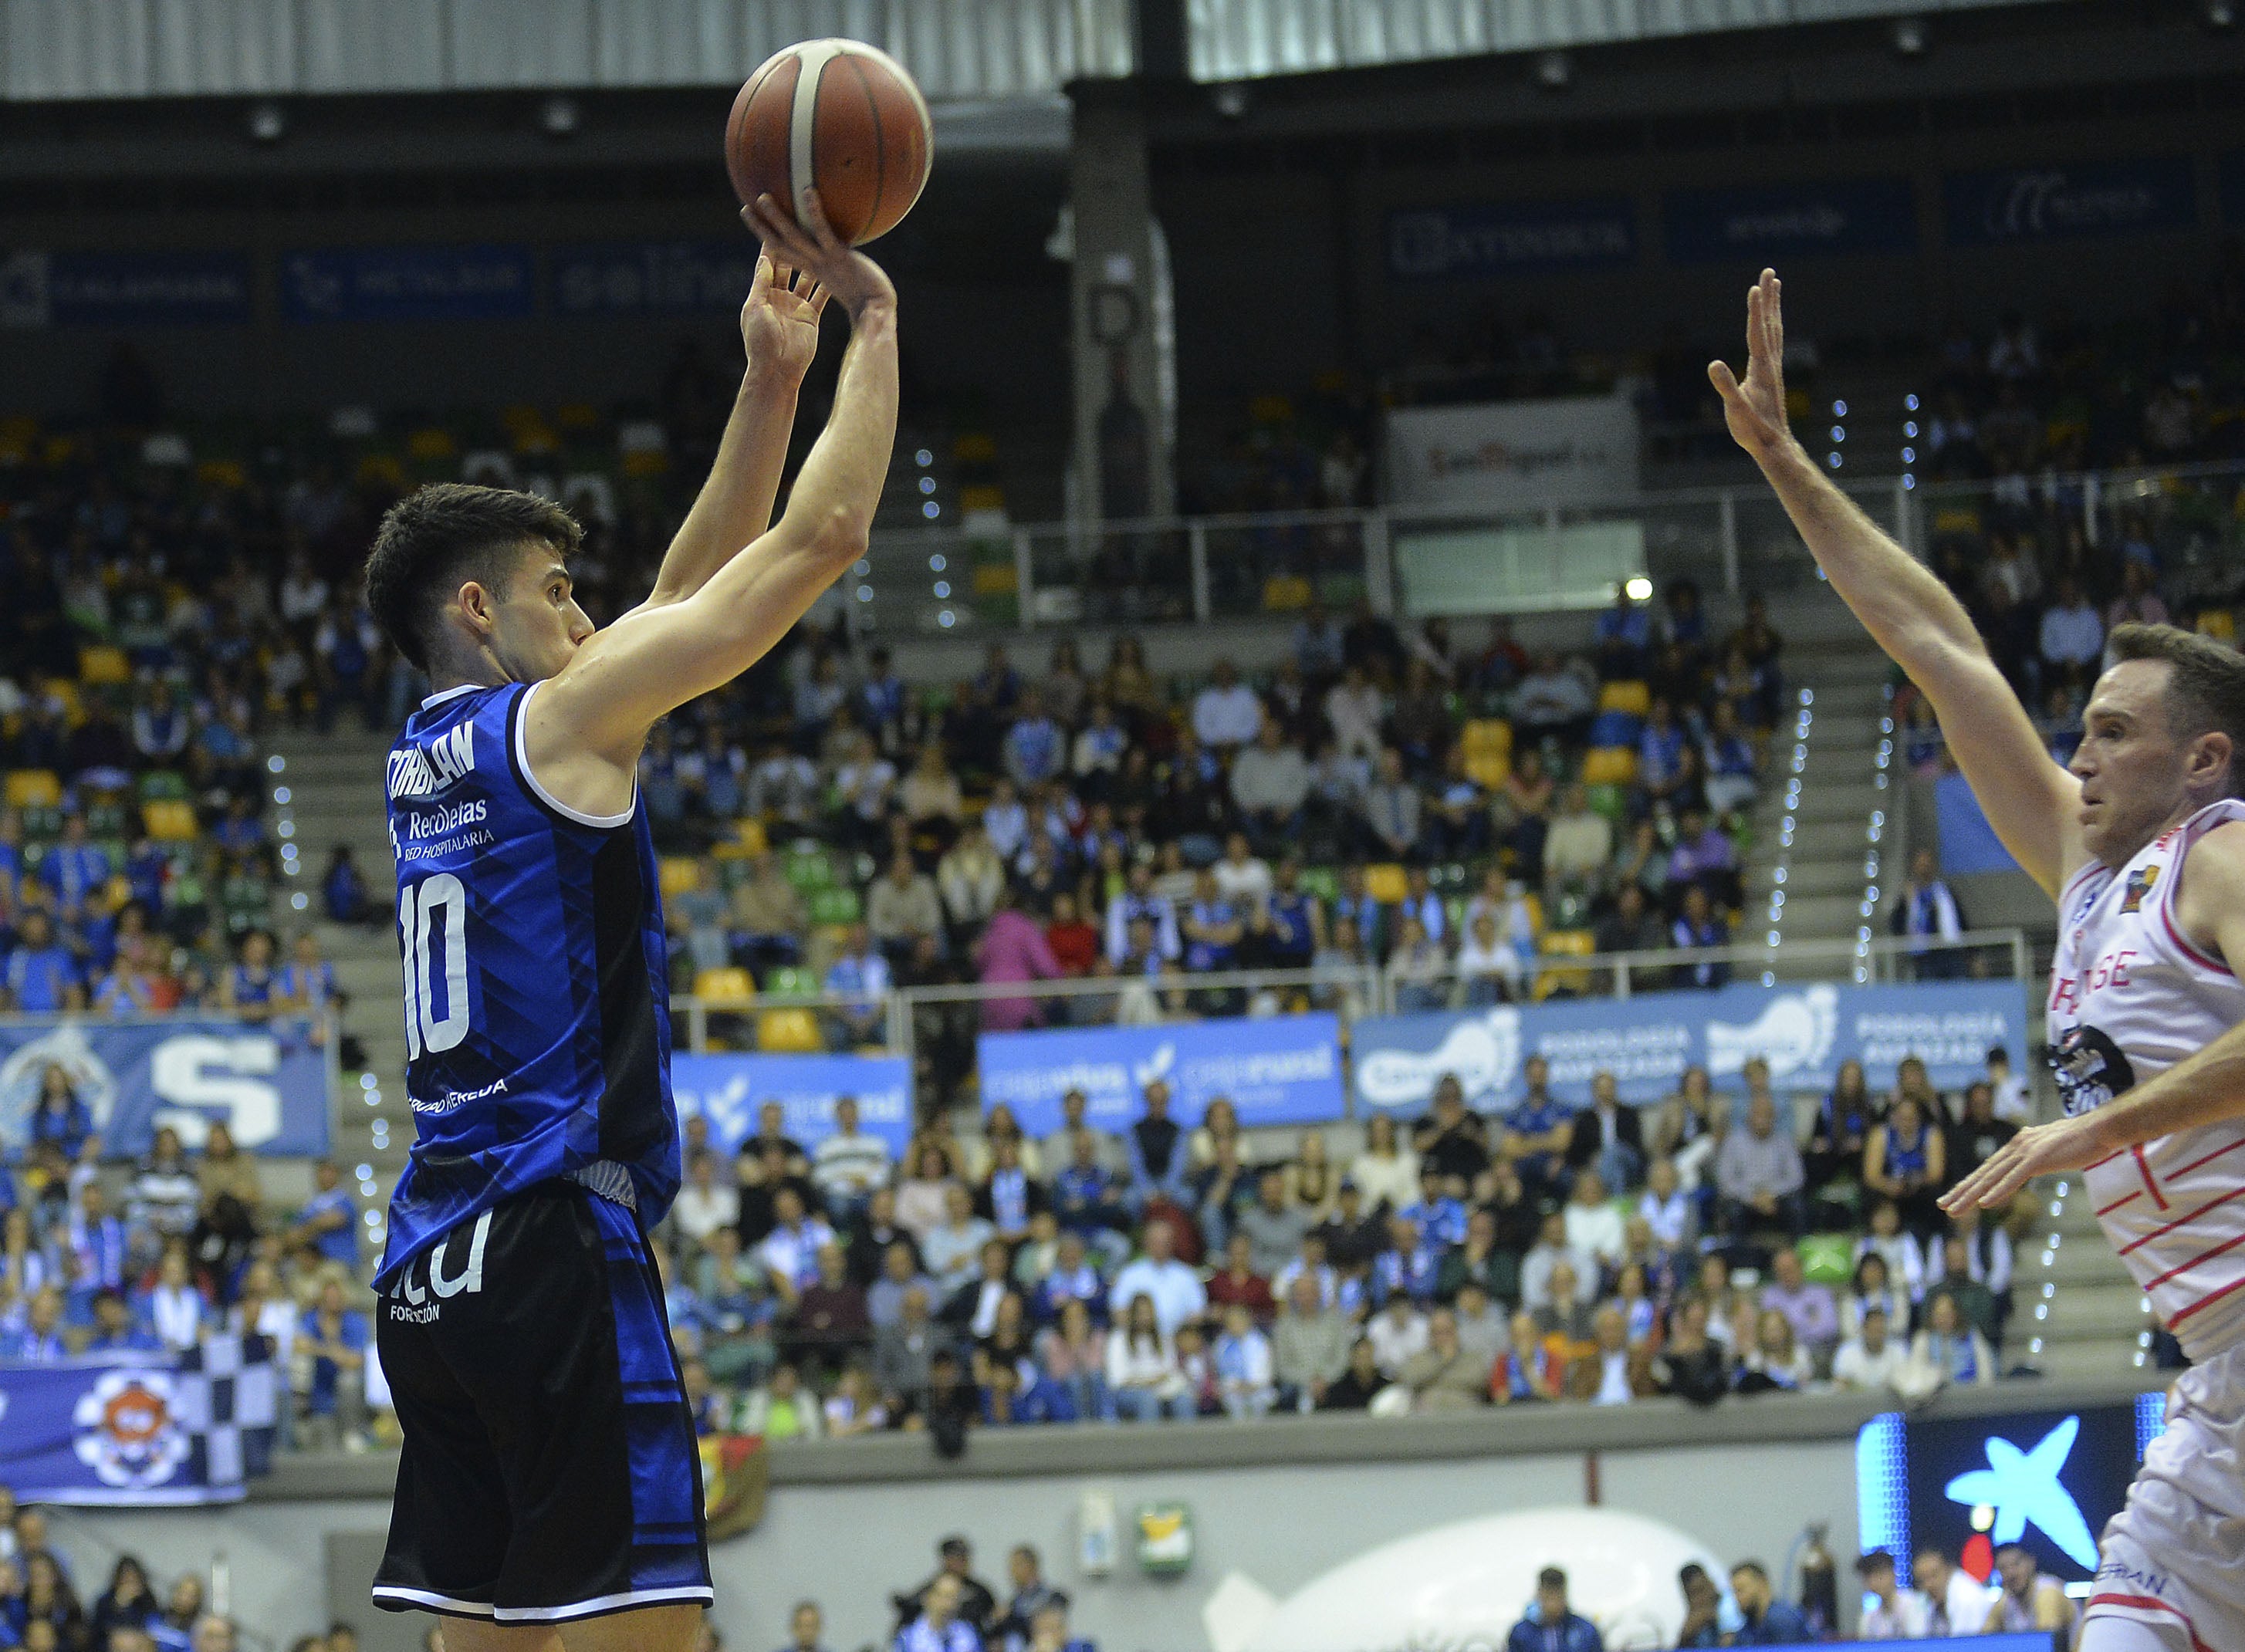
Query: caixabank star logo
x,y
129,1432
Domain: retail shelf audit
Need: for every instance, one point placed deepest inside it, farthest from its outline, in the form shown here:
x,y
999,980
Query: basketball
x,y
840,116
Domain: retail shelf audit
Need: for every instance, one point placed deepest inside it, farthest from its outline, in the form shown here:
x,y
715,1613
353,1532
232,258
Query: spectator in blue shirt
x,y
60,1119
1035,749
1624,633
1769,1621
113,1329
1699,926
329,1222
1157,1147
1439,1220
40,976
1541,1127
1048,1630
40,1339
1085,1196
862,974
74,868
1550,1626
938,1628
337,1338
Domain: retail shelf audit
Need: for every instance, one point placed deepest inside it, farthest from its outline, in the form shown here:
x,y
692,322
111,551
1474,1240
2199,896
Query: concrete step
x,y
1814,875
1814,916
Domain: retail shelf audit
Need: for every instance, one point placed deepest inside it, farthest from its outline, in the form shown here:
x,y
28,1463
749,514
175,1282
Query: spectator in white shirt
x,y
1593,1225
850,1164
1870,1358
1896,1613
1353,711
1226,713
1668,1209
1550,1249
1176,1290
1270,781
1397,1332
2014,1095
1242,875
789,1252
2073,633
1959,1603
705,1203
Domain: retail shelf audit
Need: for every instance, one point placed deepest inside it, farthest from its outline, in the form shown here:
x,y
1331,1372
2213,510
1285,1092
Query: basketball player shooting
x,y
2141,842
549,1492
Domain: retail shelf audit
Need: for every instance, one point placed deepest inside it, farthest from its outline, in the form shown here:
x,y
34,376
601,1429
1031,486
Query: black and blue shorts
x,y
549,1472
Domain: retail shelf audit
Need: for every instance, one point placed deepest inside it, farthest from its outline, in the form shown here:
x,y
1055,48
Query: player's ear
x,y
2213,760
475,601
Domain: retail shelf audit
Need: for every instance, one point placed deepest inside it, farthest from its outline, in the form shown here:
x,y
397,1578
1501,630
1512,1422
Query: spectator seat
x,y
746,842
1565,944
838,906
727,987
32,789
101,664
105,820
1285,593
678,873
789,1032
1386,883
169,820
1322,882
809,869
1616,729
1610,766
791,980
164,785
1610,801
1634,698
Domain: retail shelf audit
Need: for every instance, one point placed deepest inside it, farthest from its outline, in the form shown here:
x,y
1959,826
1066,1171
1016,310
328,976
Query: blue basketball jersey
x,y
537,1002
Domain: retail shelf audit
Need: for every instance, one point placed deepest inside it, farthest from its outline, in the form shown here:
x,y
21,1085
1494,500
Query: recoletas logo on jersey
x,y
2090,1070
2139,885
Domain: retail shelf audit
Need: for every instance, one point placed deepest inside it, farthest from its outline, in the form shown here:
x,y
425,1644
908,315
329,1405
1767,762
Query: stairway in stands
x,y
2070,1294
335,797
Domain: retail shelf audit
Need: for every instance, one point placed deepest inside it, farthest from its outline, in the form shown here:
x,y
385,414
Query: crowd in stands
x,y
1717,1242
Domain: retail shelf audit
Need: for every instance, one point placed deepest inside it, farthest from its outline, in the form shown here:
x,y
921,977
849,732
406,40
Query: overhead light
x,y
1554,70
2221,14
1909,37
268,121
559,115
1229,100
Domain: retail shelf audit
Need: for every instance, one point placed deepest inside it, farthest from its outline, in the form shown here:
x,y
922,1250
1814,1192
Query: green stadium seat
x,y
835,906
790,980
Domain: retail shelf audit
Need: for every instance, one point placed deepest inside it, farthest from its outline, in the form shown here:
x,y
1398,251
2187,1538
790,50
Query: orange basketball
x,y
838,116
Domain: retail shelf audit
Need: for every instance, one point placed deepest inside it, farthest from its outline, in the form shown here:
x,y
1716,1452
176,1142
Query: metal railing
x,y
1356,990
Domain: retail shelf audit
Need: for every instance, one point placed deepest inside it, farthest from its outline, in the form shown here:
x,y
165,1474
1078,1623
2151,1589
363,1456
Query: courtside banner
x,y
1646,1042
1475,242
140,1428
485,282
1280,1069
267,1084
1515,455
60,287
731,1090
651,278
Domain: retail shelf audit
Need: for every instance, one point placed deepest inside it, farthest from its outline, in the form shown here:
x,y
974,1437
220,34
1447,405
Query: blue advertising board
x,y
729,1091
2069,202
479,282
140,1429
1470,243
267,1085
652,278
1758,224
1282,1069
40,287
1804,1032
1967,843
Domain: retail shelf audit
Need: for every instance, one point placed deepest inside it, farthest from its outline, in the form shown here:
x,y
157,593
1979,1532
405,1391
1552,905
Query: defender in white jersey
x,y
2141,842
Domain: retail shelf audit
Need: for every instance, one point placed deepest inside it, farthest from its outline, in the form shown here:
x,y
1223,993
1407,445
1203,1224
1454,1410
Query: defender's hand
x,y
1755,409
813,247
779,323
2038,1150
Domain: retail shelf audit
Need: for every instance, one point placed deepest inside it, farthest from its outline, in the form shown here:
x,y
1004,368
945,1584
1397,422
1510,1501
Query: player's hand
x,y
2038,1150
1755,409
813,249
779,323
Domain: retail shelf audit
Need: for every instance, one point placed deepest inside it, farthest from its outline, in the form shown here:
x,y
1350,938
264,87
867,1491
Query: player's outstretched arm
x,y
2207,1089
2030,801
779,329
654,659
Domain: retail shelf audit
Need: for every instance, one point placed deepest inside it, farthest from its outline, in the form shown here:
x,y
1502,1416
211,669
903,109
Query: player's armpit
x,y
2210,899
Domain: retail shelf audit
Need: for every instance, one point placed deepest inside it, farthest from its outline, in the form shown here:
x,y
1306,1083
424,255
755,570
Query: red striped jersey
x,y
2130,997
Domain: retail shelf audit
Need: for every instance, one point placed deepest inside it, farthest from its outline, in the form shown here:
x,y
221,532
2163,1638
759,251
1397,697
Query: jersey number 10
x,y
418,909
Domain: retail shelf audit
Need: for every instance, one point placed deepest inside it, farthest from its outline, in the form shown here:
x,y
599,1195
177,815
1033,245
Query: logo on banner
x,y
129,1432
25,1070
1484,1054
2019,1488
1796,1031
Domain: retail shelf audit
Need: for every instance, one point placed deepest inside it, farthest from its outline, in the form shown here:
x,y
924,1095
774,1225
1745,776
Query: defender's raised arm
x,y
2033,803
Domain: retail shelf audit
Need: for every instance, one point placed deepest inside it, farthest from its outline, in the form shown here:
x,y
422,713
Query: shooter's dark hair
x,y
2206,694
434,539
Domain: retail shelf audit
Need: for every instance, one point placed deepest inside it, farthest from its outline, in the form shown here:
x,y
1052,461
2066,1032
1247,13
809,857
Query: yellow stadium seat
x,y
2219,624
169,821
1285,593
103,664
728,987
789,1032
32,789
431,444
679,873
73,702
1565,944
1491,769
1386,883
746,842
1635,698
1488,736
1610,766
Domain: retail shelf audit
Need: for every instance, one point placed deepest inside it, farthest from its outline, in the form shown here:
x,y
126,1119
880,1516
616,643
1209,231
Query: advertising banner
x,y
268,1084
2064,203
1282,1069
40,287
652,278
1473,243
729,1090
1804,1032
481,282
1514,456
1755,225
141,1428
